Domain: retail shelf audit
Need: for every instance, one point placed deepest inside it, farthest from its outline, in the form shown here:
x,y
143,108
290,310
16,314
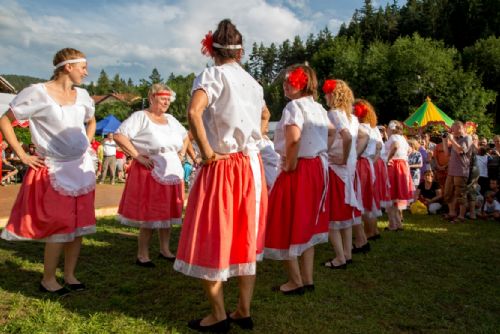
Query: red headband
x,y
297,78
360,110
162,94
329,86
207,45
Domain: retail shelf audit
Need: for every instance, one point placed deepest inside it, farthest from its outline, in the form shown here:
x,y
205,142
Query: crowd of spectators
x,y
456,174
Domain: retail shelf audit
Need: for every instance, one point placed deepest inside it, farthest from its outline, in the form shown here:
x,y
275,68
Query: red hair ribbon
x,y
329,86
207,47
297,78
164,93
360,110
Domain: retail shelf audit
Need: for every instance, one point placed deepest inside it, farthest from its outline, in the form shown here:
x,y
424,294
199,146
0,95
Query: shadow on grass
x,y
434,276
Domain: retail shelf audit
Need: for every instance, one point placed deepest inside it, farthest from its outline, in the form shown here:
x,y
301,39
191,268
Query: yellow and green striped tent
x,y
428,114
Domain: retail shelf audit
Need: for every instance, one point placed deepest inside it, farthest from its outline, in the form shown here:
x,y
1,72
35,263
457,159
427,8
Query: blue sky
x,y
132,37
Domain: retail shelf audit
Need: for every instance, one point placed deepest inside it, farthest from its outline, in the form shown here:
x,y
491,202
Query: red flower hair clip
x,y
360,110
329,86
297,78
207,45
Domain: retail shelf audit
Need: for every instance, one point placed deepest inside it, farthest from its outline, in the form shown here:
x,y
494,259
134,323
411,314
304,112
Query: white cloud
x,y
133,37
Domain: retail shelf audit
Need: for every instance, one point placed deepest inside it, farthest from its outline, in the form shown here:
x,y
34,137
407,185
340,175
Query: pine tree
x,y
103,84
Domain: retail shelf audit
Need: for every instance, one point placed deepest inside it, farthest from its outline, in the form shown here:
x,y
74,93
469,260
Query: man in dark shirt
x,y
458,170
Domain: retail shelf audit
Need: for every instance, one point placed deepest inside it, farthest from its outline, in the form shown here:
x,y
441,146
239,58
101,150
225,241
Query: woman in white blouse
x,y
223,229
56,201
154,190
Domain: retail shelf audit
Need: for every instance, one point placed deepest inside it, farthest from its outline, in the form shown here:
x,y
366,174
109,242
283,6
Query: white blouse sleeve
x,y
337,120
132,125
293,115
177,126
87,103
28,102
210,82
365,128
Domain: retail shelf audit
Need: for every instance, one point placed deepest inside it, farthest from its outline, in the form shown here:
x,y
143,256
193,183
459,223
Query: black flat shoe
x,y
330,265
308,287
374,237
294,292
76,286
59,292
348,261
147,264
168,258
218,327
243,323
363,249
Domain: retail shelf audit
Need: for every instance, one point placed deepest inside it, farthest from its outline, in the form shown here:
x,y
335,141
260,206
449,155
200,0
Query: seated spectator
x,y
429,192
495,187
8,169
491,207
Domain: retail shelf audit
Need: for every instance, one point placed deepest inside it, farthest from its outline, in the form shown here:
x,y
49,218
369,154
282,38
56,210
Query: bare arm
x,y
377,151
197,105
33,161
292,145
392,151
90,129
331,134
185,145
129,148
362,142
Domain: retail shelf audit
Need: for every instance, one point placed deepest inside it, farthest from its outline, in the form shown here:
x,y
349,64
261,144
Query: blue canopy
x,y
106,125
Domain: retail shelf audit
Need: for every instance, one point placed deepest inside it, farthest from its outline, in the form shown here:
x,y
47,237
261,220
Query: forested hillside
x,y
393,56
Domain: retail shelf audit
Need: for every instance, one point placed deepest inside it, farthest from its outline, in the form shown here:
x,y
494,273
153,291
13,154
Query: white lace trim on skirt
x,y
81,231
341,225
167,223
295,250
215,274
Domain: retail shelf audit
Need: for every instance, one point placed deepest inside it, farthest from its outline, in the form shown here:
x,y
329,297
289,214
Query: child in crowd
x,y
491,208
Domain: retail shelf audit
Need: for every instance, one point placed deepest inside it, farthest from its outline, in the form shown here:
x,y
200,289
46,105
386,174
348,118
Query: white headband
x,y
71,61
228,47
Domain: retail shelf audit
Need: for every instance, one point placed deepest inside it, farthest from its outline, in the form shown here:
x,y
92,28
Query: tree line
x,y
396,57
392,56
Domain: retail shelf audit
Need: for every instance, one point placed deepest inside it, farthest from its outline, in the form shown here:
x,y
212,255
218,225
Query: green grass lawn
x,y
433,277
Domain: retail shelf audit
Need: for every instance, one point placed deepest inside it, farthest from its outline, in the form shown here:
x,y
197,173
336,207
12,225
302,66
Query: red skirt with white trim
x,y
382,189
223,230
297,217
341,214
42,214
401,182
146,203
370,200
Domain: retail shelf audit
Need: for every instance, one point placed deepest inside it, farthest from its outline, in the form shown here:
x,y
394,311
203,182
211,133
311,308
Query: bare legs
x,y
52,254
71,254
370,225
215,295
145,238
359,235
341,241
299,275
164,235
143,247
